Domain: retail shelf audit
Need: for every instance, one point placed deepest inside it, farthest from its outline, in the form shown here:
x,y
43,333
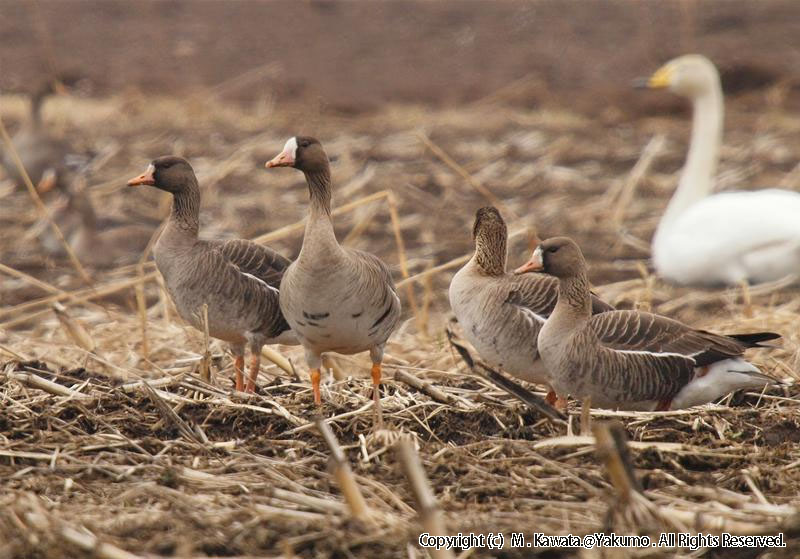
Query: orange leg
x,y
376,393
47,182
551,397
376,375
315,378
238,365
561,403
663,405
255,364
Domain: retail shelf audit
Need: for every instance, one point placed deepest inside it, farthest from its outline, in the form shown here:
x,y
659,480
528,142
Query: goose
x,y
336,299
726,238
49,161
501,313
105,245
633,360
98,241
238,279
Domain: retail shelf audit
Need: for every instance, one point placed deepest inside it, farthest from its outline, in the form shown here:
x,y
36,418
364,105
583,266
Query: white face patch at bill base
x,y
537,256
290,148
151,169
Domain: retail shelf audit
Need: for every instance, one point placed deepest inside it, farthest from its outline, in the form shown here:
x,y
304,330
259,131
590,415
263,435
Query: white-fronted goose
x,y
632,359
336,299
105,245
502,313
725,238
49,161
237,279
98,241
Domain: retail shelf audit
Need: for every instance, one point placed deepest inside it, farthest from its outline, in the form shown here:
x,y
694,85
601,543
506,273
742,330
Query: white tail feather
x,y
723,377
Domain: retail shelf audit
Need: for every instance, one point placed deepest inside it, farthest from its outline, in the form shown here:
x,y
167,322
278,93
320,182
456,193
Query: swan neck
x,y
697,179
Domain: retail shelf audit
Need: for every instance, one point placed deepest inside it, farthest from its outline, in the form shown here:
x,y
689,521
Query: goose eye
x,y
552,249
305,144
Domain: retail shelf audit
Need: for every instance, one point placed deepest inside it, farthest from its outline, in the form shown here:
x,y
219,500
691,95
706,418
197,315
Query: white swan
x,y
725,238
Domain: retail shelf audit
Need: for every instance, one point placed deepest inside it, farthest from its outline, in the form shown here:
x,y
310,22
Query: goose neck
x,y
87,213
574,299
490,253
37,101
320,237
185,216
319,190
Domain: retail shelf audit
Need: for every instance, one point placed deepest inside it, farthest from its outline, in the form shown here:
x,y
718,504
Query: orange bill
x,y
535,264
148,178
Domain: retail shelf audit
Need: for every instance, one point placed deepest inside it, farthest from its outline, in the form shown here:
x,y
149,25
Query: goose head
x,y
488,224
560,257
169,173
490,236
691,76
303,153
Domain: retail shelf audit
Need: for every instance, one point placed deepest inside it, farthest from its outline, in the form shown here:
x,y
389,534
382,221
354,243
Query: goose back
x,y
236,279
634,360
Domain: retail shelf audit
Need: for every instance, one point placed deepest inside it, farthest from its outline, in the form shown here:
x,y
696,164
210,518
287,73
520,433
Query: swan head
x,y
691,75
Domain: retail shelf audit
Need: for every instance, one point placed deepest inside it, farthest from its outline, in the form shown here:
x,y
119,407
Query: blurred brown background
x,y
356,56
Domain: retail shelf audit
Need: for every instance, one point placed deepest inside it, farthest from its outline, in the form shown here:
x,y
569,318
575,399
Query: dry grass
x,y
113,448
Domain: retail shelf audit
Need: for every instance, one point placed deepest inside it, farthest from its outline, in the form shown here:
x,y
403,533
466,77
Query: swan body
x,y
732,237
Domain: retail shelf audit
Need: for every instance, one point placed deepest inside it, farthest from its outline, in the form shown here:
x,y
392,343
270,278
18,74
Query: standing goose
x,y
502,313
98,241
335,299
237,279
632,359
726,238
48,160
105,245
